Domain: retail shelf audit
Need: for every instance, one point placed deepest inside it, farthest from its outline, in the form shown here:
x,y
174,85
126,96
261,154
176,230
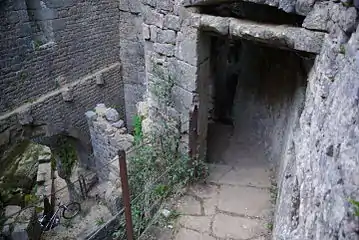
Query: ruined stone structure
x,y
296,80
58,60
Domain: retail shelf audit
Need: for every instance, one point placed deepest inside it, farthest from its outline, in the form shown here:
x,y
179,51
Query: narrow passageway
x,y
250,121
235,203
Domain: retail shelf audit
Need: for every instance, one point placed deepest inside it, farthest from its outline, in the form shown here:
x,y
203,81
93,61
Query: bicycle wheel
x,y
71,210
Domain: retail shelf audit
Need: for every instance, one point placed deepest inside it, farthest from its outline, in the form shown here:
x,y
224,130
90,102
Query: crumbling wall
x,y
58,59
108,136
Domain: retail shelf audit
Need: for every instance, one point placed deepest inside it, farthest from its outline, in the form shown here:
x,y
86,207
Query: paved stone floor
x,y
235,202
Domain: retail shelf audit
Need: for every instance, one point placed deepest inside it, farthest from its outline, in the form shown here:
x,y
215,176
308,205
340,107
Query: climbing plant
x,y
157,168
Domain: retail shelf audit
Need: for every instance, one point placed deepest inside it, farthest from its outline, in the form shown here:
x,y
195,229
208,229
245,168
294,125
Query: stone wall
x,y
318,173
132,55
59,58
108,136
321,171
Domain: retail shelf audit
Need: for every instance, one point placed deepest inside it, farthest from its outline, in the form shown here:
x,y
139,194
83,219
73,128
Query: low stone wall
x,y
108,135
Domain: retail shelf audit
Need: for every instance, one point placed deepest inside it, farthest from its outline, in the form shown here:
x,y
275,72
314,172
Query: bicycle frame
x,y
52,219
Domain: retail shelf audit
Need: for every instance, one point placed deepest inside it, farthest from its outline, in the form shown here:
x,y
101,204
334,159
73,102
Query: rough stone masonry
x,y
318,170
60,58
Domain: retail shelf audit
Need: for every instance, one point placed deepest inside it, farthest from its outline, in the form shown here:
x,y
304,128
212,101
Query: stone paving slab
x,y
246,201
189,205
217,171
226,208
197,223
186,234
251,176
226,226
204,190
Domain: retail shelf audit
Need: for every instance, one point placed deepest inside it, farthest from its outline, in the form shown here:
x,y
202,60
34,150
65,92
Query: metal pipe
x,y
125,193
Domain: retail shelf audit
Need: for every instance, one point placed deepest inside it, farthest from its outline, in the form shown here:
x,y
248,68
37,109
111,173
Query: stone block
x,y
182,100
172,22
164,49
100,109
132,61
184,74
142,108
118,124
278,36
91,115
186,46
146,31
153,32
166,5
303,7
133,6
67,95
317,18
112,115
216,24
100,80
130,27
166,36
152,17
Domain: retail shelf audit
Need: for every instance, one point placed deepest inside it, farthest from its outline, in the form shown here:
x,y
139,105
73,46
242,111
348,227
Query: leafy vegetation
x,y
37,44
137,123
355,205
157,168
100,221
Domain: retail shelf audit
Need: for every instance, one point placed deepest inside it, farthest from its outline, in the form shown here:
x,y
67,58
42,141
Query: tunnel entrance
x,y
255,99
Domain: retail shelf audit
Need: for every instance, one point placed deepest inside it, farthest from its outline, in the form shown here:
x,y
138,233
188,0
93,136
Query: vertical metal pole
x,y
125,193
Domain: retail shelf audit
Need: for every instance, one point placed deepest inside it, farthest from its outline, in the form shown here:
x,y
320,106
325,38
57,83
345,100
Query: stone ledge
x,y
280,36
59,91
189,3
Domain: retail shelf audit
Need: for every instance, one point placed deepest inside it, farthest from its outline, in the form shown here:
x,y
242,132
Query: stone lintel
x,y
189,3
281,36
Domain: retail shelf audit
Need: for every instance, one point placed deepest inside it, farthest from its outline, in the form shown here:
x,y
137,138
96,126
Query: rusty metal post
x,y
125,193
193,133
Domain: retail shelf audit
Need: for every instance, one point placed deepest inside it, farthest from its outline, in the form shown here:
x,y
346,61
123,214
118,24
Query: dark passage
x,y
258,92
255,12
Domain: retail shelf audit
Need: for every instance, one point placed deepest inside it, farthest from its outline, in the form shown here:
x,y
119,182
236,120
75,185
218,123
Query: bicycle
x,y
69,211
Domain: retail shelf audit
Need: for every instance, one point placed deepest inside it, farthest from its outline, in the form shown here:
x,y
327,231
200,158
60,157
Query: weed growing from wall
x,y
157,169
355,205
